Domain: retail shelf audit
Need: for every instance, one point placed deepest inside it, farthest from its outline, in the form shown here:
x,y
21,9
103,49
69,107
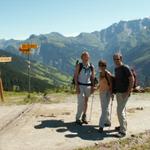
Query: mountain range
x,y
131,38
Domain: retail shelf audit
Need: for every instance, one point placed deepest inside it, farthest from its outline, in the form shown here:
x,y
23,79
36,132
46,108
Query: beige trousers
x,y
105,101
121,111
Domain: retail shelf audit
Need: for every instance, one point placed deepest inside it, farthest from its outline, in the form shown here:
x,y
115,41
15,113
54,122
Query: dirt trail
x,y
51,126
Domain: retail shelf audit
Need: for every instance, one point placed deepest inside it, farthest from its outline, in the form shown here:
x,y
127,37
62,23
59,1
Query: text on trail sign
x,y
5,59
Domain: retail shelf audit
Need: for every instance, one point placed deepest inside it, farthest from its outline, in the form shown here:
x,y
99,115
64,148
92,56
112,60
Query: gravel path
x,y
51,126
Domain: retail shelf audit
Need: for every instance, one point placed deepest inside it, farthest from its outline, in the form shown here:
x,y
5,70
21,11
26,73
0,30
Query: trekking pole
x,y
125,109
91,108
111,108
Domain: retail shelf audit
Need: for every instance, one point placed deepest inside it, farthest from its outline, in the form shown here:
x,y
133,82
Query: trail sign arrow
x,y
5,59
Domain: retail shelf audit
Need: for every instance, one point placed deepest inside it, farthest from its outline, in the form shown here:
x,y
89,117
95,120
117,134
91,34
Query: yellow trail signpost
x,y
3,60
26,49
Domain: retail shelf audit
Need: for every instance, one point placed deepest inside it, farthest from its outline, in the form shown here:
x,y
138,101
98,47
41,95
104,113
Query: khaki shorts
x,y
85,90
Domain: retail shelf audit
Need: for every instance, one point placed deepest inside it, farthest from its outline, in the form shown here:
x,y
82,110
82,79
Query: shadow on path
x,y
85,132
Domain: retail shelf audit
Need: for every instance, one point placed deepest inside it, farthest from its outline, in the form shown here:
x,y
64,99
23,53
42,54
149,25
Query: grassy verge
x,y
50,96
135,142
19,98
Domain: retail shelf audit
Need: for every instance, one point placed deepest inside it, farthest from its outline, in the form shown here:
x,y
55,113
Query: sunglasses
x,y
102,65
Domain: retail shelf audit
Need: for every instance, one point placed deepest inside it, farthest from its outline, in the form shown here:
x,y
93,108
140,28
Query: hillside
x,y
42,77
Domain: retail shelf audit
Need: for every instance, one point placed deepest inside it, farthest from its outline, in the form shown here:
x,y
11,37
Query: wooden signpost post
x,y
3,60
26,49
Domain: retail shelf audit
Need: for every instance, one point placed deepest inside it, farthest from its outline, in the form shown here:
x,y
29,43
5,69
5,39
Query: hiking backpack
x,y
80,68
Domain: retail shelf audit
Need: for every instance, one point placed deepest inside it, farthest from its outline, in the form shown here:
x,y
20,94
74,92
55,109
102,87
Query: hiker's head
x,y
117,57
85,57
102,65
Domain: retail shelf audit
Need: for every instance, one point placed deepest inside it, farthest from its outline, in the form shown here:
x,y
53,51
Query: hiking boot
x,y
78,122
120,135
107,124
100,130
117,128
84,119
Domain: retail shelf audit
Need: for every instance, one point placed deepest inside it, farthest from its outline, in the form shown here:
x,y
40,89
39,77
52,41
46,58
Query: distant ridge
x,y
131,37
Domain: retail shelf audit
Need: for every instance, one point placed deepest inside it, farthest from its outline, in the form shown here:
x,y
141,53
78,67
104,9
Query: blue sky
x,y
21,18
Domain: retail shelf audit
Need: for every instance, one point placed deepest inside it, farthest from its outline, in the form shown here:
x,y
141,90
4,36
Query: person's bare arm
x,y
92,80
76,78
131,82
109,76
98,86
